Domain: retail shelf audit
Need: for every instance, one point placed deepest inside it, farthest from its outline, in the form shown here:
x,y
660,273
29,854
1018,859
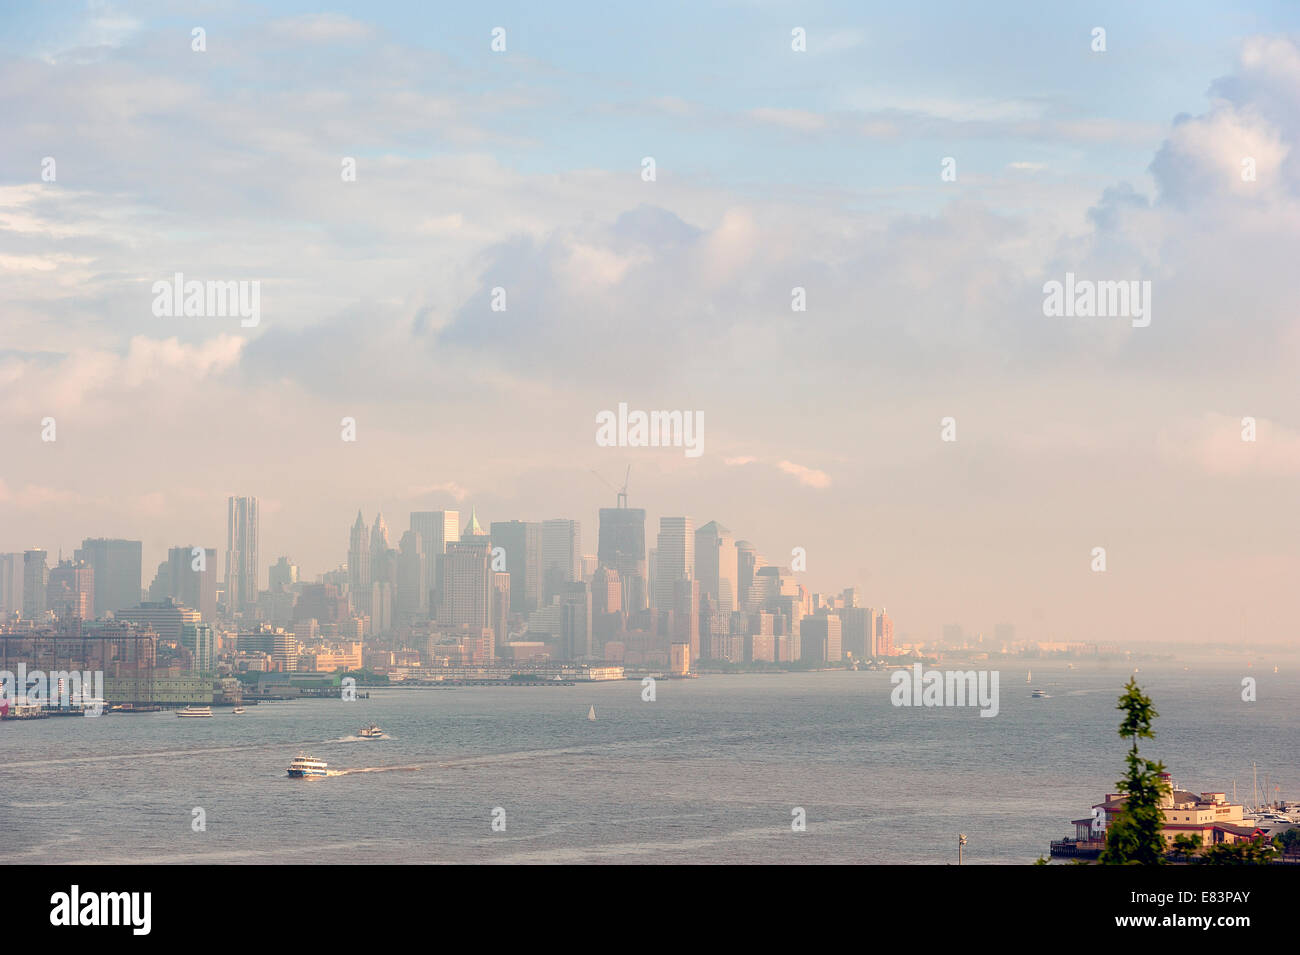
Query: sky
x,y
820,169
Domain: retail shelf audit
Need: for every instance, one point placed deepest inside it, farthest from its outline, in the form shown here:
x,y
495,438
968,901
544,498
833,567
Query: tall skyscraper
x,y
467,580
192,579
359,565
412,580
72,591
241,554
282,574
117,566
436,529
36,582
575,621
748,563
674,557
501,607
716,565
522,542
561,556
621,547
686,614
11,584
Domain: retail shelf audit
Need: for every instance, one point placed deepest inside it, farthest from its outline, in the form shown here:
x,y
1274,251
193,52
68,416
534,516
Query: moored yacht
x,y
306,766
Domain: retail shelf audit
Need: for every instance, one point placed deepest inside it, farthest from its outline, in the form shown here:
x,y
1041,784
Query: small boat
x,y
304,766
591,714
238,710
195,711
372,732
1039,695
1029,677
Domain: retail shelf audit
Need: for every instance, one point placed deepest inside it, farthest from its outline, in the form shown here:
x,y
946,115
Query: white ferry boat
x,y
306,766
238,711
195,711
372,732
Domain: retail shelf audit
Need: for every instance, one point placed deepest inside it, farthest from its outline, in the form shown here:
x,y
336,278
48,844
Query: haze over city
x,y
523,170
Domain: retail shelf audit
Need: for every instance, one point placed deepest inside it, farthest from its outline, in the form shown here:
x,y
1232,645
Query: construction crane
x,y
620,491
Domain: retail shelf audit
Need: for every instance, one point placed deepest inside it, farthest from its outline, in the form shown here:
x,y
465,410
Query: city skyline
x,y
921,283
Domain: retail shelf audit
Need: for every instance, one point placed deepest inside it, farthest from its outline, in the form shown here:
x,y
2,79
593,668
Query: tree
x,y
1136,836
1249,852
1185,845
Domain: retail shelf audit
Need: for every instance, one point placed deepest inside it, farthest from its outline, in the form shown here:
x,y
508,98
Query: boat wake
x,y
372,769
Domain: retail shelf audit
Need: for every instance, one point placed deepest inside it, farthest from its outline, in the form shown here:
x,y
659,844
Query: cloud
x,y
805,475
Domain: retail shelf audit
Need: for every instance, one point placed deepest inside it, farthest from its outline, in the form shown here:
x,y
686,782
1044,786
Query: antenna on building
x,y
620,491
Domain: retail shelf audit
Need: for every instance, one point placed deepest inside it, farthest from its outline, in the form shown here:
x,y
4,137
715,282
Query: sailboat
x,y
591,714
1029,677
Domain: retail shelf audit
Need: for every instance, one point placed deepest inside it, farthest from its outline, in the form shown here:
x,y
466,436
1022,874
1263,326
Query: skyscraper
x,y
748,562
674,557
522,542
72,591
716,565
621,547
575,621
11,584
241,554
359,565
686,614
561,556
192,579
467,580
412,590
436,529
117,566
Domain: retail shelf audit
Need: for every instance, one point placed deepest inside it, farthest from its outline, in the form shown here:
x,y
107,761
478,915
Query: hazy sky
x,y
775,169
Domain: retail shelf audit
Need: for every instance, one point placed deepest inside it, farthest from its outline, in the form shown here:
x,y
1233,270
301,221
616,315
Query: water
x,y
707,773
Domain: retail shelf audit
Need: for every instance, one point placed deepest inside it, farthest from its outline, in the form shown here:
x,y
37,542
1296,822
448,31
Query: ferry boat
x,y
372,732
306,766
1039,695
195,711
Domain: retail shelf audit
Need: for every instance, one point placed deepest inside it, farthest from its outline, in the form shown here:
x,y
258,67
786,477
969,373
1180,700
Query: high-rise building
x,y
884,634
674,557
686,614
820,639
282,574
242,536
11,584
621,547
858,632
192,579
748,563
36,583
575,621
118,569
359,565
72,591
412,592
165,618
716,565
522,542
501,607
467,580
561,556
198,638
436,529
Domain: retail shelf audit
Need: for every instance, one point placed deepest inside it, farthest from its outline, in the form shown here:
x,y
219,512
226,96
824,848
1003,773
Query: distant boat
x,y
238,711
591,714
372,732
1274,669
1040,695
195,711
1029,677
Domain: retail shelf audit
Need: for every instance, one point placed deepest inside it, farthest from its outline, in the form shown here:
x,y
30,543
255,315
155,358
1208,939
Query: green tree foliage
x,y
1135,837
1254,852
